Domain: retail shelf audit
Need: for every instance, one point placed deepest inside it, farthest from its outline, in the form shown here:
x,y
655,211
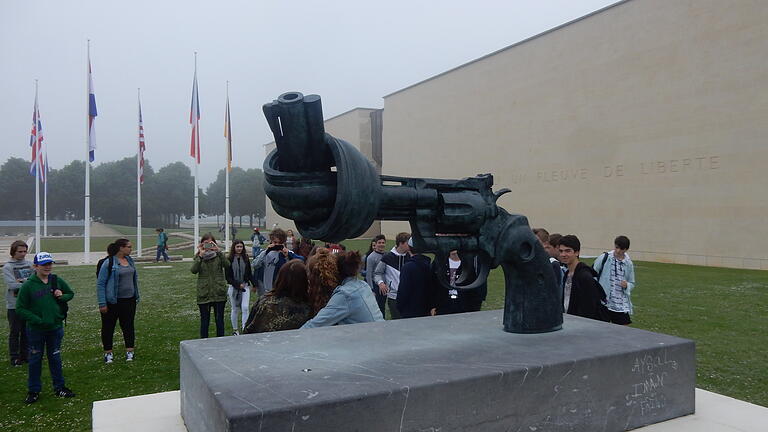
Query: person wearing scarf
x,y
240,279
210,266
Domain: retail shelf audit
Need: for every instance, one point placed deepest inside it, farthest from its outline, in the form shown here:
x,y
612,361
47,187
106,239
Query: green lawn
x,y
724,310
131,230
75,244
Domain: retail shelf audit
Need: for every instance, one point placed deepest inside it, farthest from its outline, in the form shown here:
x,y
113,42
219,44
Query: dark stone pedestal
x,y
449,373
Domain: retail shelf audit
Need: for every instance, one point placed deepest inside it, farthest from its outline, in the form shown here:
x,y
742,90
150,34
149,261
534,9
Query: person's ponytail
x,y
112,249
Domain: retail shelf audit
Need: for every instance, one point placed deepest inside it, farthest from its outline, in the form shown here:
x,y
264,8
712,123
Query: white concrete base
x,y
147,413
160,412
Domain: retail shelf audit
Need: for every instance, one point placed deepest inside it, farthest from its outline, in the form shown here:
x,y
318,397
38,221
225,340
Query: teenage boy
x,y
387,273
269,261
617,277
582,295
543,236
371,261
15,272
40,303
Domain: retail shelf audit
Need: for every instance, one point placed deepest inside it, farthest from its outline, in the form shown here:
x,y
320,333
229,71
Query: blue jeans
x,y
161,251
50,340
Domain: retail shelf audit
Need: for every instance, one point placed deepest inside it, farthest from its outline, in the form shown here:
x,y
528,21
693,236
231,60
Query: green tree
x,y
66,191
17,194
246,193
169,194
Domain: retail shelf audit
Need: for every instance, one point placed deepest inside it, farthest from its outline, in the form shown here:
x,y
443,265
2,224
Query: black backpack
x,y
603,314
111,260
602,265
63,306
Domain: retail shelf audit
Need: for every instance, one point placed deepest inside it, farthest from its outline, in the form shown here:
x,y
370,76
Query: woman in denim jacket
x,y
351,302
117,292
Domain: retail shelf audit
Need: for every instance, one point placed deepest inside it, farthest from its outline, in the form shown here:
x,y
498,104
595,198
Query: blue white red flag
x,y
36,142
194,120
91,114
142,147
228,136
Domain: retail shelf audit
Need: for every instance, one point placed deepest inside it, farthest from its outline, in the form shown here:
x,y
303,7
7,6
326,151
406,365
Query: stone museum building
x,y
648,118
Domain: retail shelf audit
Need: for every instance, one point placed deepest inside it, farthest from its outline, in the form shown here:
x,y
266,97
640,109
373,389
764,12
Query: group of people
x,y
299,285
602,291
37,306
295,291
407,283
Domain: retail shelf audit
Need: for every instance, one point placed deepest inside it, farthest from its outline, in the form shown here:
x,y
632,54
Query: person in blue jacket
x,y
351,302
117,292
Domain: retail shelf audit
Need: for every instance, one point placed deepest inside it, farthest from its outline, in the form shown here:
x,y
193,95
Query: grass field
x,y
145,231
725,311
75,244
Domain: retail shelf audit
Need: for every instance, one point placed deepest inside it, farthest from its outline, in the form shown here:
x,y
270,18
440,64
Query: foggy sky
x,y
350,52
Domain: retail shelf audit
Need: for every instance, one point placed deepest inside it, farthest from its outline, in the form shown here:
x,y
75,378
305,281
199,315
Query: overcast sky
x,y
350,52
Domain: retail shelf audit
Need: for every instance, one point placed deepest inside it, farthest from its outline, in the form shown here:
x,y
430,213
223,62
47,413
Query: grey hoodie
x,y
13,270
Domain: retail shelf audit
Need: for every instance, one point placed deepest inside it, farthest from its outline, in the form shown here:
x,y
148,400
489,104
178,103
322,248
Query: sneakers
x,y
32,397
17,362
109,357
129,356
235,333
63,392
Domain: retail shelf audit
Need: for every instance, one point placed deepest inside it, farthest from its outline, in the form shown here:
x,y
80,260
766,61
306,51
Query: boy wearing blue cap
x,y
42,303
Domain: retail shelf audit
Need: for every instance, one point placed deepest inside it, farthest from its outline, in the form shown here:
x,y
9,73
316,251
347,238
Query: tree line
x,y
166,195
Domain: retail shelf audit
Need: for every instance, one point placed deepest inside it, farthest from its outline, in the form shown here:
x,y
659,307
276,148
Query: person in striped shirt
x,y
617,277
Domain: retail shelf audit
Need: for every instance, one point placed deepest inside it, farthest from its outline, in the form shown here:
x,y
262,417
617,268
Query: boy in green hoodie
x,y
39,303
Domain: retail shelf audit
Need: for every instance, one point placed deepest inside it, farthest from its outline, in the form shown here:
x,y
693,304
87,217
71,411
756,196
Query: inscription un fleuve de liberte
x,y
645,168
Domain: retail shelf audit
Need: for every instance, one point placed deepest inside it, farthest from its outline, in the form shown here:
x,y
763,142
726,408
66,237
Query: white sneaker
x,y
235,333
108,357
129,356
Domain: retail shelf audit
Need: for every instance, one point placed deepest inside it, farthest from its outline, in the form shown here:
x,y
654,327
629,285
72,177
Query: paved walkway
x,y
162,412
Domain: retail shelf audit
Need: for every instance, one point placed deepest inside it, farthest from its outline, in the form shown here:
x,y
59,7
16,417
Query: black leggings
x,y
205,318
124,311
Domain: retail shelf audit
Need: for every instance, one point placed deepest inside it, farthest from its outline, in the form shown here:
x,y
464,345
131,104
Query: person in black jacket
x,y
415,295
582,294
455,300
240,279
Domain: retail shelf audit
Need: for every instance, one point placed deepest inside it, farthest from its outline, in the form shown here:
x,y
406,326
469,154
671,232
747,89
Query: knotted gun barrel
x,y
333,205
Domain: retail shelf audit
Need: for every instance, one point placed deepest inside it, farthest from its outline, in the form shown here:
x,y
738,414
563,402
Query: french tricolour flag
x,y
194,120
91,114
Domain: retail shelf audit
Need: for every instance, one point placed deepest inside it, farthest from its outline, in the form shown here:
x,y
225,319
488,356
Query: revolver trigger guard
x,y
481,277
500,192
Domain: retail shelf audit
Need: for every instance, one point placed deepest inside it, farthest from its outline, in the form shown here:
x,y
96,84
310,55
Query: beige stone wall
x,y
353,126
648,119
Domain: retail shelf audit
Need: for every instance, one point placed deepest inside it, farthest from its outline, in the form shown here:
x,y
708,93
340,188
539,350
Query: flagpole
x,y
197,164
37,152
138,180
226,180
45,188
87,211
45,195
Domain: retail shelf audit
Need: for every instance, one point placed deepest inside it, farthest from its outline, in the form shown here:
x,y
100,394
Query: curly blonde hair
x,y
323,274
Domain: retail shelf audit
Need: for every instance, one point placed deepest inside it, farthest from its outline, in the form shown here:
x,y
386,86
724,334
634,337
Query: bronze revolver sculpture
x,y
336,204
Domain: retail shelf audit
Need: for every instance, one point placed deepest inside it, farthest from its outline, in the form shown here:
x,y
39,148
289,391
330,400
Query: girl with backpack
x,y
117,292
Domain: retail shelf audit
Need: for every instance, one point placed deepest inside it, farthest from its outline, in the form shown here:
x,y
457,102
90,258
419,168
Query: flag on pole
x,y
45,171
91,114
228,136
142,147
36,142
194,120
